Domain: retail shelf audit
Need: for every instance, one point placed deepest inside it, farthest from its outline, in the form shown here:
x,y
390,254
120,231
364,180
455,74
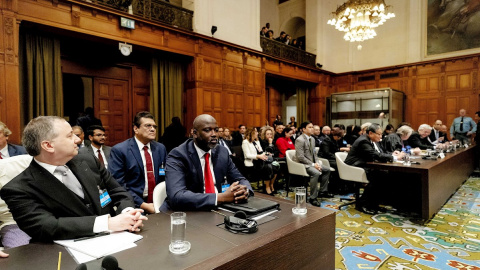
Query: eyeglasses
x,y
149,126
100,135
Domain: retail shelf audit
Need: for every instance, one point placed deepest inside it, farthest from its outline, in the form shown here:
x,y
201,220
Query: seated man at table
x,y
421,139
198,172
62,195
367,149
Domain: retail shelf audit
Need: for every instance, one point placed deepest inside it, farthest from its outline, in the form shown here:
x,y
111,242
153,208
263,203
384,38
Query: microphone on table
x,y
110,263
81,266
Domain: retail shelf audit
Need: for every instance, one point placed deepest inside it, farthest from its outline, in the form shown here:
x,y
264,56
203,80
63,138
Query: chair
x,y
159,195
350,173
326,163
295,168
9,169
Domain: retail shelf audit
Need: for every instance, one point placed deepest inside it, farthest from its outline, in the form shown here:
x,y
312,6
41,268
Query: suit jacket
x,y
440,134
126,166
184,177
304,151
15,150
89,150
416,141
393,142
328,148
362,151
47,210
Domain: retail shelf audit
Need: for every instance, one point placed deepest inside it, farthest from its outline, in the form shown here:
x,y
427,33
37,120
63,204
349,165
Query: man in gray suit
x,y
305,148
96,134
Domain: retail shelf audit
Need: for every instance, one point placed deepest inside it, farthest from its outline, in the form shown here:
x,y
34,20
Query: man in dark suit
x,y
6,149
200,175
239,135
367,149
131,159
437,136
78,131
62,195
97,137
421,139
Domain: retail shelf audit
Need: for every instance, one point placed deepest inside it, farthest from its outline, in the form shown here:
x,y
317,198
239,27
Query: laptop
x,y
253,207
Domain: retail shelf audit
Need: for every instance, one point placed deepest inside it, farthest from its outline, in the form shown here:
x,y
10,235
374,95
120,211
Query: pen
x,y
93,236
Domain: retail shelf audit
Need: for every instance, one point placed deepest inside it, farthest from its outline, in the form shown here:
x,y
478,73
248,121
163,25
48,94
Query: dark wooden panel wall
x,y
434,90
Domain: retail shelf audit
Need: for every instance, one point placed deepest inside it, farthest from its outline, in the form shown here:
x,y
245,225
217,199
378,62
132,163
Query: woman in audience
x,y
266,141
285,143
227,137
292,123
270,34
389,129
253,152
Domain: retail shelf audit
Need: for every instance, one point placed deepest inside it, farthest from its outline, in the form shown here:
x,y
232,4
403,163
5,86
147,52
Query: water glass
x,y
406,160
300,201
178,226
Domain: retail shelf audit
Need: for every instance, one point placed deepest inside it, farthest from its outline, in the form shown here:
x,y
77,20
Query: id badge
x,y
161,172
225,187
105,199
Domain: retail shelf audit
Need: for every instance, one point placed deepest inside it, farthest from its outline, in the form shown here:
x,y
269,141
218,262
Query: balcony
x,y
281,50
154,10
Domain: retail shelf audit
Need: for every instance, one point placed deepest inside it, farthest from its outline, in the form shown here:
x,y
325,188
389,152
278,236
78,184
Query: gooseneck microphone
x,y
81,266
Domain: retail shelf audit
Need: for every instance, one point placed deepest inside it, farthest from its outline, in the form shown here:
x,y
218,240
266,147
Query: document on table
x,y
100,246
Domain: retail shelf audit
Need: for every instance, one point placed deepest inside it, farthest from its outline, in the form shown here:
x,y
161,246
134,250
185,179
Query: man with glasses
x,y
138,162
367,149
96,135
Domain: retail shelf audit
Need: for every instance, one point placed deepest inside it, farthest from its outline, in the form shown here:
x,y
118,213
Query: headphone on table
x,y
239,223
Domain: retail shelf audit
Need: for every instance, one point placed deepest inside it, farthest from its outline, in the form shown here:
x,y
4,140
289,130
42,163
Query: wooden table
x,y
437,179
288,242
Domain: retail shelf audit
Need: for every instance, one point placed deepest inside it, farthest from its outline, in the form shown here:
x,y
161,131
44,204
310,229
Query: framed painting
x,y
452,25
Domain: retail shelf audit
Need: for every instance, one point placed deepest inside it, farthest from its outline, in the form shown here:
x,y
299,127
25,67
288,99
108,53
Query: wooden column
x,y
9,82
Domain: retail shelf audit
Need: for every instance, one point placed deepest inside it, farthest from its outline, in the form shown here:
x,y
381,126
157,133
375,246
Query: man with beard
x,y
197,170
96,135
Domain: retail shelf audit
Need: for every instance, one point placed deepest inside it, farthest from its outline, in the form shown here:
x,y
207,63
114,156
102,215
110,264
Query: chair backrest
x,y
9,169
159,195
347,172
293,166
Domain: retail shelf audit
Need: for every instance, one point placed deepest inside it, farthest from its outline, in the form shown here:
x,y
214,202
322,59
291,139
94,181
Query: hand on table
x,y
131,220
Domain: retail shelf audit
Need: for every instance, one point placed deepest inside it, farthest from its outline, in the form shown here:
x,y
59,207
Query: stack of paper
x,y
94,248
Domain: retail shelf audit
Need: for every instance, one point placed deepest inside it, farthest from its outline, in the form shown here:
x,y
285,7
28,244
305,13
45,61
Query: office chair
x,y
295,168
159,195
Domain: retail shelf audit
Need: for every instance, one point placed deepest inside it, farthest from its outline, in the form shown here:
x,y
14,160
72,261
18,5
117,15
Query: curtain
x,y
302,105
40,76
166,89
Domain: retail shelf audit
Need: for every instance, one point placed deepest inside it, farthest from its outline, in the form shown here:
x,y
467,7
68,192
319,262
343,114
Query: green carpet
x,y
390,241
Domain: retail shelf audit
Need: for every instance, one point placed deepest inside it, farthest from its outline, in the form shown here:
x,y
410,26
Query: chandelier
x,y
358,18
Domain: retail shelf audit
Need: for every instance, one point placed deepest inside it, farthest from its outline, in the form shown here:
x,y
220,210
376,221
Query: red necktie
x,y
1,156
100,158
150,175
209,186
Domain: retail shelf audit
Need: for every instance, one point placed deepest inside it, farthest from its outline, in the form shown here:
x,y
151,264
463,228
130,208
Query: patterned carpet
x,y
401,242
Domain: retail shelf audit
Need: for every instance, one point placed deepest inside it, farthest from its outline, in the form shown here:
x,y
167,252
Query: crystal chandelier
x,y
358,18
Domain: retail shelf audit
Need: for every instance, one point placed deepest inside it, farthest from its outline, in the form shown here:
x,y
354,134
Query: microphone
x,y
81,266
110,263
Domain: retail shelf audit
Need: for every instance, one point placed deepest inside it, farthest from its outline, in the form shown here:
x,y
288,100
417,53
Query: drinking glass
x,y
300,201
178,226
406,160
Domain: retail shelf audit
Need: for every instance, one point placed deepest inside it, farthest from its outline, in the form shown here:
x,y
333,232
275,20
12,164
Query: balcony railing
x,y
282,50
155,10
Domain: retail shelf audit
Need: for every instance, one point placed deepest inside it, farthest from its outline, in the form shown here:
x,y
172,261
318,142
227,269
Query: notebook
x,y
253,207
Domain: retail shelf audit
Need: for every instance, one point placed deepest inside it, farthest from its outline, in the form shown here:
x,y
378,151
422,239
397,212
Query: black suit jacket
x,y
440,134
16,150
184,177
47,210
328,148
89,150
362,151
416,141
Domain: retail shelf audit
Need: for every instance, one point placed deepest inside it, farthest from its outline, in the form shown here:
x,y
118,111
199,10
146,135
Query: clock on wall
x,y
125,49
